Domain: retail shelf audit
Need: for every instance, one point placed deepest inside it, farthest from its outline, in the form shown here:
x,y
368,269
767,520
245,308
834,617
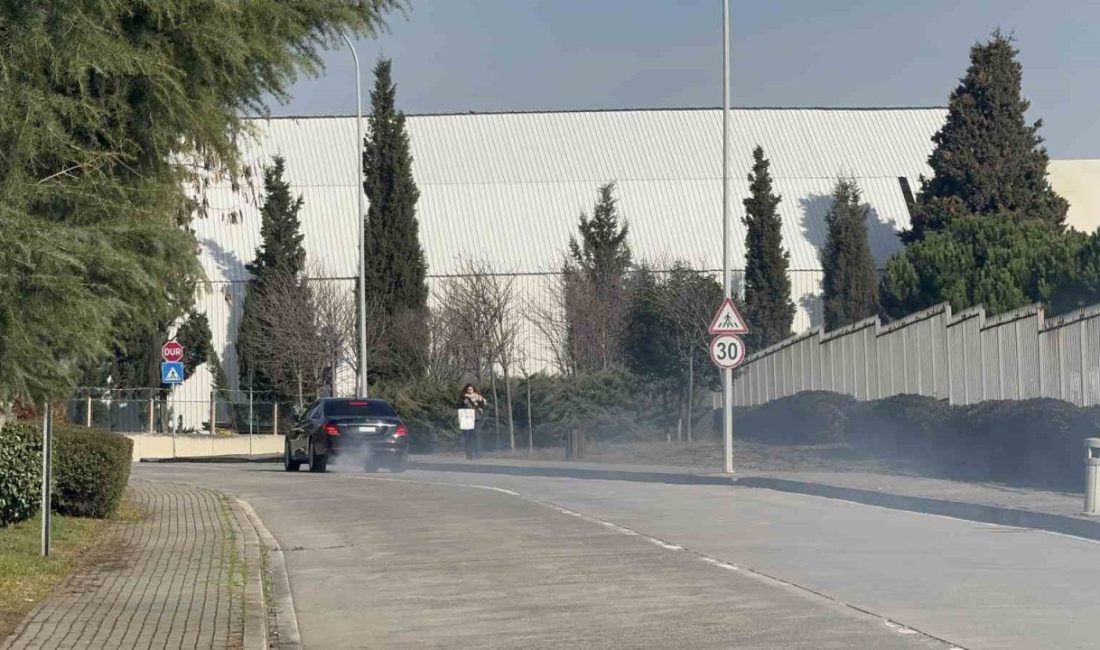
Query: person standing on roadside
x,y
471,438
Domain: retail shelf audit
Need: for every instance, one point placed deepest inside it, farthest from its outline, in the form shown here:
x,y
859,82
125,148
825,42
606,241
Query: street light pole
x,y
362,389
727,273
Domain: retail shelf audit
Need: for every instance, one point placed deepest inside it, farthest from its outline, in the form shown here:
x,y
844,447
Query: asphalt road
x,y
425,559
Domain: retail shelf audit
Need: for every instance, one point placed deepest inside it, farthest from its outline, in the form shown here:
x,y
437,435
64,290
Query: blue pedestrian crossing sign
x,y
171,372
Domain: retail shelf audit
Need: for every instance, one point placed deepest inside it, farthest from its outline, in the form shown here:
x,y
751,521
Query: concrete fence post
x,y
152,409
213,411
1092,476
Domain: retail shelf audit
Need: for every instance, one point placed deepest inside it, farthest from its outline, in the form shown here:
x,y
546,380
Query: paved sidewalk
x,y
179,578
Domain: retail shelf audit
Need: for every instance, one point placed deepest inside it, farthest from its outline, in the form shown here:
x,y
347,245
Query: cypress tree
x,y
396,272
768,306
594,281
850,285
602,253
987,158
280,252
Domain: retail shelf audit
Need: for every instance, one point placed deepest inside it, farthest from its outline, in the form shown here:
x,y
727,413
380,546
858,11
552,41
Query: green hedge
x,y
915,426
20,473
1032,442
90,471
807,418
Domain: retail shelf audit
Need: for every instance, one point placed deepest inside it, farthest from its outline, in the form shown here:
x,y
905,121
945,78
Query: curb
x,y
270,458
1004,516
255,618
679,478
281,620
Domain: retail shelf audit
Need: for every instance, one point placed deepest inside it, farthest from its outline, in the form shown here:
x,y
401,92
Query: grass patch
x,y
130,512
233,548
25,576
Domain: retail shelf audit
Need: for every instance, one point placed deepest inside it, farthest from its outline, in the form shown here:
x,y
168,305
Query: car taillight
x,y
331,429
401,432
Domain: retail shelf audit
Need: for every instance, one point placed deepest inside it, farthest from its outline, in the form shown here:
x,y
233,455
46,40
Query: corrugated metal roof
x,y
508,187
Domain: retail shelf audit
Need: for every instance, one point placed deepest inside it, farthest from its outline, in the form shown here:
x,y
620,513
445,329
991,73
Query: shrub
x,y
1038,442
912,426
605,405
92,468
20,472
428,408
806,418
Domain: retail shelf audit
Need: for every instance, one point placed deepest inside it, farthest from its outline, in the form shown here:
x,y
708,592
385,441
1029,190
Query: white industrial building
x,y
507,188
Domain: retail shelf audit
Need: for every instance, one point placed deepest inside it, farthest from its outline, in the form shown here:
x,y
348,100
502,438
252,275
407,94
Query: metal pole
x,y
363,390
152,414
47,462
88,411
727,273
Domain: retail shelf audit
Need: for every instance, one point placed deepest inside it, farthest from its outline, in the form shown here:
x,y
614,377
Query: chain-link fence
x,y
156,410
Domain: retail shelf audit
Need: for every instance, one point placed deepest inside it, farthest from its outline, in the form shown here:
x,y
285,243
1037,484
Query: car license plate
x,y
368,429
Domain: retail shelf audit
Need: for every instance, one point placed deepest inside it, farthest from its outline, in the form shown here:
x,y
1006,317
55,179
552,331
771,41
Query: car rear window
x,y
359,408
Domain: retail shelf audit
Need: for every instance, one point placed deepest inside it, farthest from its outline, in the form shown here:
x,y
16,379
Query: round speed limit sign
x,y
727,351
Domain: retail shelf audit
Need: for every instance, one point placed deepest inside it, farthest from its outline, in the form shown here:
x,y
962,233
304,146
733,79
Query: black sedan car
x,y
368,430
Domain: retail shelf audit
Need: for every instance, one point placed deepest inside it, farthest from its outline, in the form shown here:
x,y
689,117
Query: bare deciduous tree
x,y
293,353
547,315
479,317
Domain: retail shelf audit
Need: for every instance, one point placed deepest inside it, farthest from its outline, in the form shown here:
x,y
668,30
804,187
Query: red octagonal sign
x,y
172,351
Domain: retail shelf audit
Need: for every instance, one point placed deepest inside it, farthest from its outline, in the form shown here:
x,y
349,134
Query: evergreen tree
x,y
396,270
987,228
280,253
602,253
768,306
649,337
594,286
195,337
105,109
988,159
984,260
850,285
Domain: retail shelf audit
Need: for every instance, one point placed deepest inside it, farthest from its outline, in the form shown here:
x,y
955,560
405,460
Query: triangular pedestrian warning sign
x,y
728,320
172,375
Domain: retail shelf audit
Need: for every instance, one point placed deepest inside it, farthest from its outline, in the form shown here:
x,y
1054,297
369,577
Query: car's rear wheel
x,y
317,462
401,464
289,464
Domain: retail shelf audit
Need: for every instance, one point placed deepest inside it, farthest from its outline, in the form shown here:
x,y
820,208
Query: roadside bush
x,y
428,408
806,418
92,468
609,405
916,427
1037,442
20,473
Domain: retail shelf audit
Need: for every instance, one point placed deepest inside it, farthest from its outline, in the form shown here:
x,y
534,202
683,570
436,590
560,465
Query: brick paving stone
x,y
162,582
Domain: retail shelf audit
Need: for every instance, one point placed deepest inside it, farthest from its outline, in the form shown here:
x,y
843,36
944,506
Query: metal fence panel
x,y
962,359
1027,361
1090,335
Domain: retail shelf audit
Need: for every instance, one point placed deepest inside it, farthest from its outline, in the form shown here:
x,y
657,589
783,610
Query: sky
x,y
452,56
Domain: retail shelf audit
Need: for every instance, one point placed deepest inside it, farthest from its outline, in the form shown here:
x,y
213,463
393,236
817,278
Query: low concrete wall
x,y
161,446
